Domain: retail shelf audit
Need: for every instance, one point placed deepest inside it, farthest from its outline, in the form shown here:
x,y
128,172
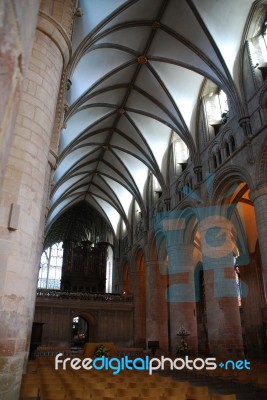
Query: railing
x,y
107,297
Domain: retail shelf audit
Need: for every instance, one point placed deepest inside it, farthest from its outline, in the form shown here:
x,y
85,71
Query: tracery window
x,y
51,267
109,270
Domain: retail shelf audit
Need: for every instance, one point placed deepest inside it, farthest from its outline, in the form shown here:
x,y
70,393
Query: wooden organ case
x,y
84,266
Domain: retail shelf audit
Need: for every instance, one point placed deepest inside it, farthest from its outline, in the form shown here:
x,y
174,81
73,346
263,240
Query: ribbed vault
x,y
136,76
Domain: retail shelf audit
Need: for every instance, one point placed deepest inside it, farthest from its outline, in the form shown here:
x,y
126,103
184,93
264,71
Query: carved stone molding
x,y
52,159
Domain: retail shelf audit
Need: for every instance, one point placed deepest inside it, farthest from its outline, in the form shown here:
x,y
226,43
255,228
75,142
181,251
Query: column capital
x,y
51,28
245,123
212,221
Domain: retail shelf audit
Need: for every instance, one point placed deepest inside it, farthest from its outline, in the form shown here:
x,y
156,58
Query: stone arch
x,y
223,180
91,319
189,214
231,188
136,259
91,323
154,243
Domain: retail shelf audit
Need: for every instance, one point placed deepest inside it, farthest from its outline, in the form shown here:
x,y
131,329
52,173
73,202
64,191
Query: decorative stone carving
x,y
142,59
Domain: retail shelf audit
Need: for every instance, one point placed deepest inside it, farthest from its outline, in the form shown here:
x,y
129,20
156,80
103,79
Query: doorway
x,y
79,332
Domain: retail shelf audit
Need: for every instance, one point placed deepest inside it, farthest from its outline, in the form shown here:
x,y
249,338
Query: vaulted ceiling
x,y
136,75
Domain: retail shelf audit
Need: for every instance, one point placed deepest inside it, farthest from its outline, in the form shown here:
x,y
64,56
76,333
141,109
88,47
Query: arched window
x,y
156,188
219,156
214,112
227,149
109,270
232,144
51,267
217,109
179,191
214,161
190,183
181,155
258,49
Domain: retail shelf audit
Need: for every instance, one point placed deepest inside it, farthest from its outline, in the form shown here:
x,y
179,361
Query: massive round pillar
x,y
223,316
181,292
156,305
24,195
259,198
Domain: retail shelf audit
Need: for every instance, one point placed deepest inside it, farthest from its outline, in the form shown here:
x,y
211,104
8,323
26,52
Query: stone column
x,y
181,291
23,198
180,294
138,280
156,305
16,41
259,198
223,317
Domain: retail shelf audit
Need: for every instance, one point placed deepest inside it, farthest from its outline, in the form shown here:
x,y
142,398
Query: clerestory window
x,y
258,50
217,109
181,155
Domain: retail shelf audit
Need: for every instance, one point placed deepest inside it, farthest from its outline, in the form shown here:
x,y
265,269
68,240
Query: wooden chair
x,y
53,394
79,393
172,392
100,393
151,391
197,393
116,385
223,397
135,384
176,396
180,384
28,391
49,386
129,392
261,379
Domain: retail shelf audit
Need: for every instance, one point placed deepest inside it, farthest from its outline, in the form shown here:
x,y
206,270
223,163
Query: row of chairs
x,y
256,375
195,393
44,381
